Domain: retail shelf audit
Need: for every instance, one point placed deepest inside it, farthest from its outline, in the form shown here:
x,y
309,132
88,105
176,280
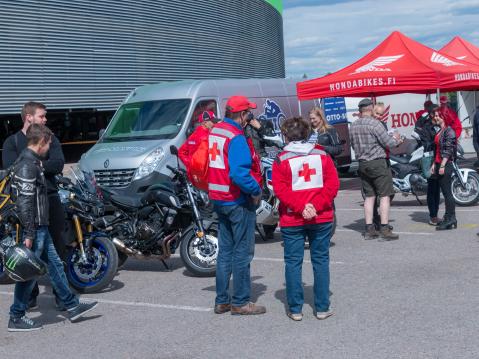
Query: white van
x,y
135,145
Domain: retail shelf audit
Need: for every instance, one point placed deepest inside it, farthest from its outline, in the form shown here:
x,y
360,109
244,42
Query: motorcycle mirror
x,y
174,150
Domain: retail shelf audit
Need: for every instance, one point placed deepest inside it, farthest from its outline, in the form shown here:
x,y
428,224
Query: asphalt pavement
x,y
416,297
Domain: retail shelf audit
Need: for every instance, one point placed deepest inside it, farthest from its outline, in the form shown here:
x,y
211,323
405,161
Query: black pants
x,y
437,184
56,227
433,195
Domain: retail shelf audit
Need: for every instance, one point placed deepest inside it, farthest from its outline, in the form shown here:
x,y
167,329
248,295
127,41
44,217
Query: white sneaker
x,y
296,316
324,315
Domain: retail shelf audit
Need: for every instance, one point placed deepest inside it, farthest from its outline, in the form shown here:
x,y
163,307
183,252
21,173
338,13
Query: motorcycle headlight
x,y
149,164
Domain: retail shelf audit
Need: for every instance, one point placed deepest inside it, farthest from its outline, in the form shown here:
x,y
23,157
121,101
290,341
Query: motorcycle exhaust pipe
x,y
123,248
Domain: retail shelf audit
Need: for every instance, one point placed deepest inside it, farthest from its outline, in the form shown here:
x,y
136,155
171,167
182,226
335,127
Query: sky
x,y
323,36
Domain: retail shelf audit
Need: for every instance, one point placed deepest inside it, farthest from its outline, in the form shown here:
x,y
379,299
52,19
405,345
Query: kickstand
x,y
261,234
166,265
420,202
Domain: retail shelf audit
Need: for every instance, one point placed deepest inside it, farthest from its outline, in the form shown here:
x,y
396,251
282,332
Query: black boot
x,y
449,222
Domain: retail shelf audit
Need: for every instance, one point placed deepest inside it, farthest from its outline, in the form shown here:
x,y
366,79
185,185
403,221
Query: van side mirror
x,y
101,133
174,150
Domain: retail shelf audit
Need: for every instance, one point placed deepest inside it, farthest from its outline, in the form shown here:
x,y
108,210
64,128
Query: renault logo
x,y
106,163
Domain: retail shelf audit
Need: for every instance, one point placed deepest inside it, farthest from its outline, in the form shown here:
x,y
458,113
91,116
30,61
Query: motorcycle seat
x,y
400,159
126,202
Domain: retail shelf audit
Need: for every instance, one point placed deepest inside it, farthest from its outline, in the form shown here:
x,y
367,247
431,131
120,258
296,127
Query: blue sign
x,y
335,110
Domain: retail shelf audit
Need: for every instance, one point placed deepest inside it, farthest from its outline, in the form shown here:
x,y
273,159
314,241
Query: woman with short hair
x,y
306,182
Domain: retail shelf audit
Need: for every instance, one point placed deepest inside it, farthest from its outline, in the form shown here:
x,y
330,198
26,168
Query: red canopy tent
x,y
397,65
461,50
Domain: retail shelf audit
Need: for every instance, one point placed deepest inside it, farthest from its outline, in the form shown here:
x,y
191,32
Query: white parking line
x,y
136,304
404,209
268,259
418,233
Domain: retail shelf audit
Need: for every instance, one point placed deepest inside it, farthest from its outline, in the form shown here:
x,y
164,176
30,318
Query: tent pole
x,y
299,107
438,94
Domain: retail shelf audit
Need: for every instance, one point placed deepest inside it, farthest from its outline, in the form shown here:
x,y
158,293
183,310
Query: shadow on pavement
x,y
257,289
308,297
152,265
357,225
420,217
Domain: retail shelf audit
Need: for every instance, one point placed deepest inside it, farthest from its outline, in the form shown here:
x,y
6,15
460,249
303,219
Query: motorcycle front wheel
x,y
200,258
99,269
467,195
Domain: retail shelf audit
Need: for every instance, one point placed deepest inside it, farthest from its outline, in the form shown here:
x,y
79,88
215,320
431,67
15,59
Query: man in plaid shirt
x,y
369,140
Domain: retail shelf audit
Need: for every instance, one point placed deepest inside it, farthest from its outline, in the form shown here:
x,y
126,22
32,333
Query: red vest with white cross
x,y
220,186
306,170
299,179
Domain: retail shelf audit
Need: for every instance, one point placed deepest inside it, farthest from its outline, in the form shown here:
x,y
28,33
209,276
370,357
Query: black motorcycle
x,y
92,259
168,215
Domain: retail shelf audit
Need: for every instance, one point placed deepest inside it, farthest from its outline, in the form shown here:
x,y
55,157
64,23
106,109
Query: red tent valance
x,y
397,65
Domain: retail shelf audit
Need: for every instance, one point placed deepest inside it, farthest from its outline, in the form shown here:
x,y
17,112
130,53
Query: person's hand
x,y
441,170
28,242
255,123
433,168
309,212
208,124
257,199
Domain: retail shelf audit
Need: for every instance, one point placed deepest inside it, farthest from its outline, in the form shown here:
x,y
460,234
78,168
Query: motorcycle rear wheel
x,y
468,195
100,270
198,260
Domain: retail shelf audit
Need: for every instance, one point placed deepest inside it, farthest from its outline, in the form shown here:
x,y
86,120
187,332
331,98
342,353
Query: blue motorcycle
x,y
92,259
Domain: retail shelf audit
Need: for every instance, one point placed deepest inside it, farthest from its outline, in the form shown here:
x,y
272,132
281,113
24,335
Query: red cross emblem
x,y
307,172
214,151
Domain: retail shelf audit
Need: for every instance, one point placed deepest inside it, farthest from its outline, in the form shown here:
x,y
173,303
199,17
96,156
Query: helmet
x,y
21,264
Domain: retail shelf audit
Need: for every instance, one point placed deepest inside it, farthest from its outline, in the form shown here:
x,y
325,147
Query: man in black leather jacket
x,y
29,192
256,130
35,112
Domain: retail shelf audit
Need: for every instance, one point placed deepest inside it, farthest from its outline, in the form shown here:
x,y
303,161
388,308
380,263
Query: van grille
x,y
114,178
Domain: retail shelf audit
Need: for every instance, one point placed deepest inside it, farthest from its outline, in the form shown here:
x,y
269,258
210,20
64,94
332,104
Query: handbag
x,y
426,163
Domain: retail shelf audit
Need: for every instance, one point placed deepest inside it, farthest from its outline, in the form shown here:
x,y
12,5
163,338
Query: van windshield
x,y
147,120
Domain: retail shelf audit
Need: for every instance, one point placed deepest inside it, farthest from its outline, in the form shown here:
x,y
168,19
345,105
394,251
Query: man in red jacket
x,y
306,183
206,121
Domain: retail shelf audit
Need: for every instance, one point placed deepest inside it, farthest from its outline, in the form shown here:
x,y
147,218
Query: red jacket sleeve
x,y
324,199
282,186
184,154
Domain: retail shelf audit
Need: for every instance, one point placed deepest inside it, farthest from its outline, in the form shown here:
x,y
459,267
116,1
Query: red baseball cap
x,y
239,103
206,116
443,99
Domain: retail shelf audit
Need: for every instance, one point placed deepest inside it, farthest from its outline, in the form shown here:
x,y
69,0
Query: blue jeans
x,y
45,250
319,236
235,252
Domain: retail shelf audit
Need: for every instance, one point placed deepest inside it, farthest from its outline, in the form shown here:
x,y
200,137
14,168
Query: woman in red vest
x,y
306,183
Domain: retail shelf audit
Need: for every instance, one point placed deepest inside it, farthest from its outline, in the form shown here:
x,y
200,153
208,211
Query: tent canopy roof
x,y
461,50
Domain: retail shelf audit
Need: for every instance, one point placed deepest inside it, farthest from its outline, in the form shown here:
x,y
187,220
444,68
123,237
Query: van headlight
x,y
149,164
